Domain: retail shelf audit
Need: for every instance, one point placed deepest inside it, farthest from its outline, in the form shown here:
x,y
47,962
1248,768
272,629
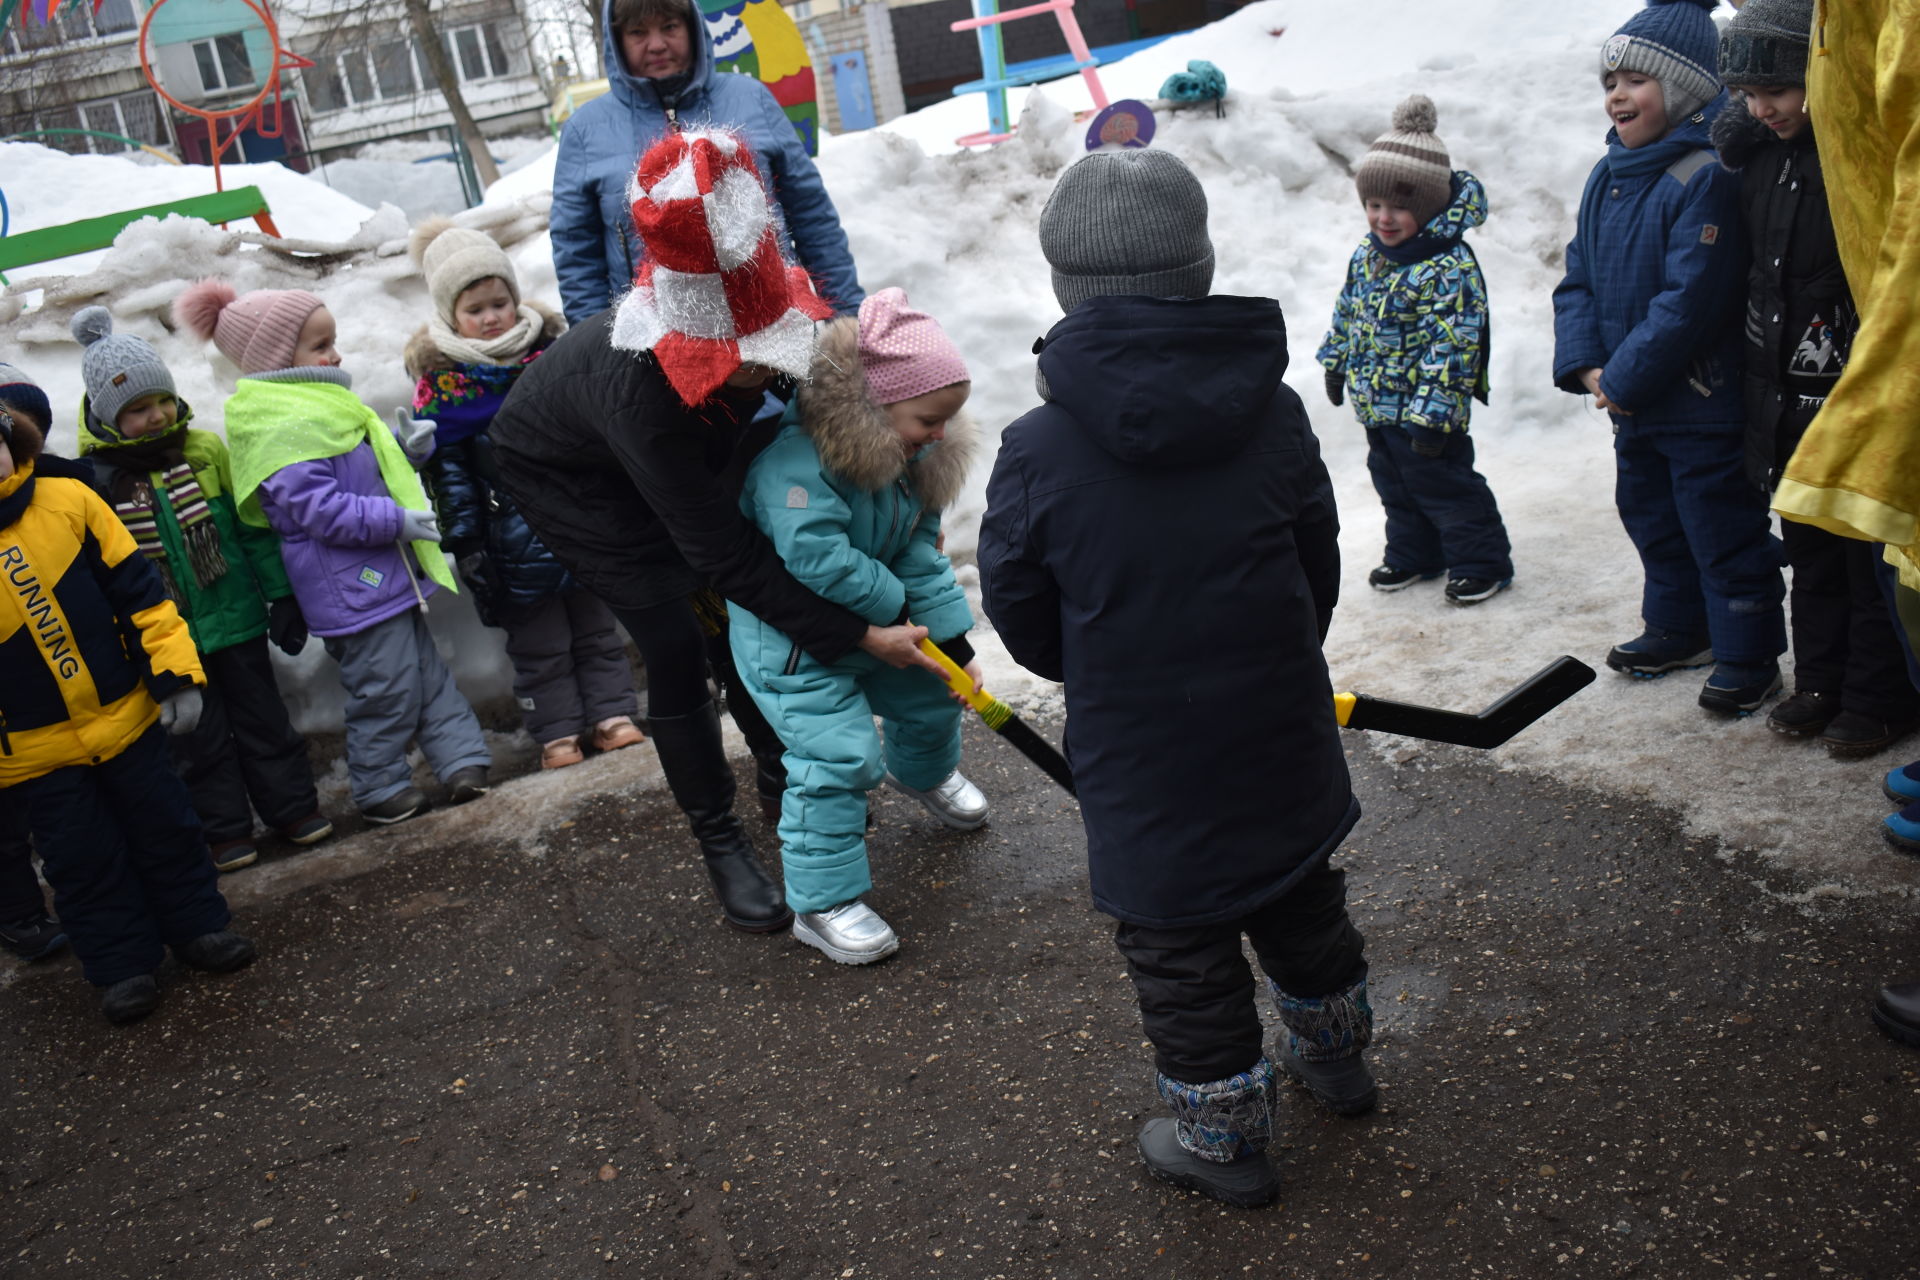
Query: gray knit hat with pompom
x,y
118,368
1408,165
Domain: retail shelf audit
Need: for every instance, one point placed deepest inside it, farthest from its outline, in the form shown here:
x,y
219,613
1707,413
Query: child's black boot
x,y
1321,1049
1655,652
220,952
130,999
1216,1141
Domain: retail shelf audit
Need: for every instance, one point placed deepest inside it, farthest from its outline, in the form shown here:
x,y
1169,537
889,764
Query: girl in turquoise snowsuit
x,y
850,492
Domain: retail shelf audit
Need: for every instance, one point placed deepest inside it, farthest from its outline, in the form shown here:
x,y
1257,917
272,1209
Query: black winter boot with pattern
x,y
1216,1141
1321,1049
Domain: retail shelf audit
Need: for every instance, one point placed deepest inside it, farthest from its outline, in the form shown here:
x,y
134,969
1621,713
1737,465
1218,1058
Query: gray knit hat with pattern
x,y
118,368
1408,165
1766,44
1127,222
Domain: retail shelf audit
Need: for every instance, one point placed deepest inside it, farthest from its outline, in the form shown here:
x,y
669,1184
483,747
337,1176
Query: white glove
x,y
414,434
180,714
419,526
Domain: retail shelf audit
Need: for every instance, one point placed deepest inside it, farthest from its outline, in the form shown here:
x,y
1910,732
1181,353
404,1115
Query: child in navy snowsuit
x,y
851,492
1161,536
96,670
570,671
1850,685
1647,321
1409,338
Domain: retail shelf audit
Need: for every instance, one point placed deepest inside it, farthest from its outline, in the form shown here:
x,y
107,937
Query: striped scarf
x,y
140,463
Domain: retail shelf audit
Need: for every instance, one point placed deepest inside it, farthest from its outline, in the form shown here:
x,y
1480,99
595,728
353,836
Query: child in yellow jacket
x,y
96,668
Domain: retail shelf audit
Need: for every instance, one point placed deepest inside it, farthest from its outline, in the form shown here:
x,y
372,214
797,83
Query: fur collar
x,y
852,434
424,356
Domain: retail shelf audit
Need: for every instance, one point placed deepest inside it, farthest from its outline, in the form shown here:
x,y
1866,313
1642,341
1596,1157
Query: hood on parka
x,y
1167,381
1740,139
854,438
630,88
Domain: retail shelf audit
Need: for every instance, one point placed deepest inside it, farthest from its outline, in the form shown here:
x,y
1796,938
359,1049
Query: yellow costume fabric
x,y
1857,470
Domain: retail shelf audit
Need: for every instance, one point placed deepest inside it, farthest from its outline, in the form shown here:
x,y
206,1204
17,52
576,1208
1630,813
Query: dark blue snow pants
x,y
1700,525
1441,516
20,894
123,851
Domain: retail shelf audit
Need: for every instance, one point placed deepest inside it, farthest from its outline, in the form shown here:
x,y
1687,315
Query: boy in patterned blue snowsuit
x,y
1409,341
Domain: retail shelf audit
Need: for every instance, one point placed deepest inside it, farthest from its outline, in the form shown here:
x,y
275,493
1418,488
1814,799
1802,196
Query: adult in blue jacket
x,y
660,74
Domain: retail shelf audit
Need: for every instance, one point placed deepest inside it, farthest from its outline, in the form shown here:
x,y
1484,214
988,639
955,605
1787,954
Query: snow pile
x,y
1310,85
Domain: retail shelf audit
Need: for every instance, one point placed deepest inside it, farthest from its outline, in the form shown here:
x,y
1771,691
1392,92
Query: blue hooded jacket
x,y
595,249
1655,282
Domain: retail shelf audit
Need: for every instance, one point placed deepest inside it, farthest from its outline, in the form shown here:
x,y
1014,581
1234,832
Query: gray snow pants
x,y
570,667
398,691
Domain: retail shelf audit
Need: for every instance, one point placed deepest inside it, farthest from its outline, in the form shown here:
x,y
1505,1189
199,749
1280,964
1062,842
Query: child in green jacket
x,y
851,492
173,489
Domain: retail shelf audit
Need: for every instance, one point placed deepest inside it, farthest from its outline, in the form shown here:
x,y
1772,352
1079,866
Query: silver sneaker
x,y
956,802
851,933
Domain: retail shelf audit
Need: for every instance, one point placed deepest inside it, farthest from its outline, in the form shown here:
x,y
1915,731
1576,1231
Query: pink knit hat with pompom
x,y
904,352
258,332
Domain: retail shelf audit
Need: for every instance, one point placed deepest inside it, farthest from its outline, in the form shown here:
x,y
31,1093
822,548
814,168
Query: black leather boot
x,y
701,780
1897,1010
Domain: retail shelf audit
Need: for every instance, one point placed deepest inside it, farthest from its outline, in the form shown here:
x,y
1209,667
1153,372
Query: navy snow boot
x,y
1738,688
1655,652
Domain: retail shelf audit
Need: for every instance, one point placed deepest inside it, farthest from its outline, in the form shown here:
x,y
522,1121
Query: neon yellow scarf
x,y
272,425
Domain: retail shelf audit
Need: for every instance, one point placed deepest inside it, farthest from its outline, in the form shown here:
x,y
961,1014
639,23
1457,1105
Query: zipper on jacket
x,y
793,662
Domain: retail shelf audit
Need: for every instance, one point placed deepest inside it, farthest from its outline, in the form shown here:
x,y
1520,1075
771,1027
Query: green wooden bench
x,y
88,234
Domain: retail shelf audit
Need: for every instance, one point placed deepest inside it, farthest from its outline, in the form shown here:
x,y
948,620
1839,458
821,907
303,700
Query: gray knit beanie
x,y
117,368
1766,43
1408,165
1127,222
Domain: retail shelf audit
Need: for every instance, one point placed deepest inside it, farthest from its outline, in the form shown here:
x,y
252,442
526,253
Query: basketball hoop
x,y
247,115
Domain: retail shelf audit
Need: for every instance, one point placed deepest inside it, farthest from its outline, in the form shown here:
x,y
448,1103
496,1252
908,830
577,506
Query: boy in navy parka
x,y
1647,321
1160,535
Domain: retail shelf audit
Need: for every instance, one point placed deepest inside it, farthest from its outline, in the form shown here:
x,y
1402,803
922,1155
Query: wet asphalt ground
x,y
1604,1050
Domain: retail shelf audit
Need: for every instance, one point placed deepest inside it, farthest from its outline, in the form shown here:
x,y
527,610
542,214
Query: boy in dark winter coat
x,y
1161,536
570,672
172,487
96,669
1849,667
1647,322
1409,338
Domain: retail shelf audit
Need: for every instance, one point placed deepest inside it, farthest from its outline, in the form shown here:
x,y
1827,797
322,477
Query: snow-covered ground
x,y
1310,85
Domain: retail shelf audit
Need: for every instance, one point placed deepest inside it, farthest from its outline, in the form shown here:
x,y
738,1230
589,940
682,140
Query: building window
x,y
223,62
393,69
478,52
135,116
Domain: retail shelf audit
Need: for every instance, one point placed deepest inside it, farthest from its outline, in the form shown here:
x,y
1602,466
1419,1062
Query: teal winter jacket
x,y
853,518
1411,338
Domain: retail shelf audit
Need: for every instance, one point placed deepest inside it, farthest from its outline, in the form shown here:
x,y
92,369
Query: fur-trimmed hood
x,y
853,436
424,356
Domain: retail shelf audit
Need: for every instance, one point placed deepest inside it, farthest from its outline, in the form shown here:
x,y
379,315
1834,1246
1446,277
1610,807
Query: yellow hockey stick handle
x,y
957,678
1343,707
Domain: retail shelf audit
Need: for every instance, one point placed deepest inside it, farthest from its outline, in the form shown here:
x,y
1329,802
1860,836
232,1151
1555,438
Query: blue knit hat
x,y
19,391
1676,43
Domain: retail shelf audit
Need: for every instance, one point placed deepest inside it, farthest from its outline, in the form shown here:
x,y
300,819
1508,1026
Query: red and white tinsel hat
x,y
713,292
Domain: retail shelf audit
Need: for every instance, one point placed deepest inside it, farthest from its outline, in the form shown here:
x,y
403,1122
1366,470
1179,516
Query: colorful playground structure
x,y
1126,123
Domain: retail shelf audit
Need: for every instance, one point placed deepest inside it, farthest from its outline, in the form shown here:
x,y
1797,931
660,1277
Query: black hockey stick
x,y
1560,680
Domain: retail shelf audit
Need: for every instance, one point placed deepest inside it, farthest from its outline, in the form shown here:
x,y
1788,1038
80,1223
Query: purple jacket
x,y
340,539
